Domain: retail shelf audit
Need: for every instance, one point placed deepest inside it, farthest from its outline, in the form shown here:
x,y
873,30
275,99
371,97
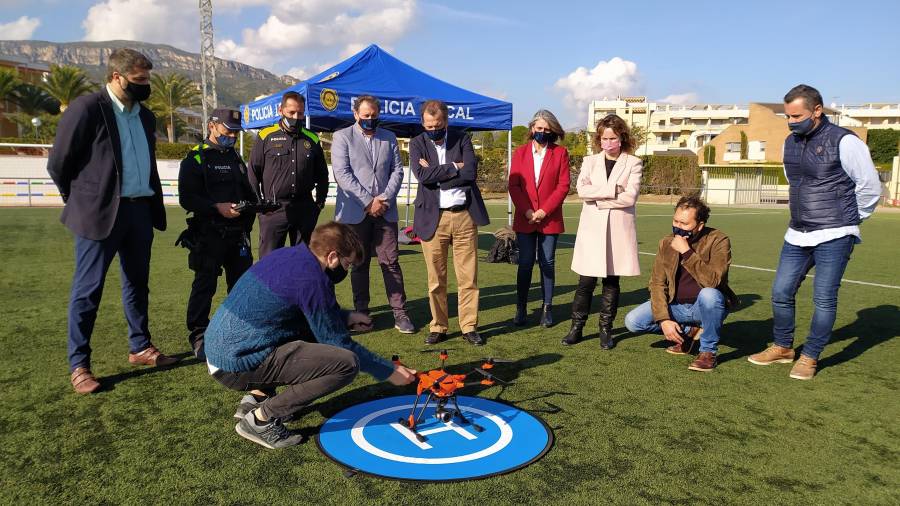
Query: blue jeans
x,y
709,311
830,259
131,237
545,244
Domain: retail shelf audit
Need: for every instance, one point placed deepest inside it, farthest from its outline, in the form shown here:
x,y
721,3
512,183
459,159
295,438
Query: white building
x,y
873,115
670,126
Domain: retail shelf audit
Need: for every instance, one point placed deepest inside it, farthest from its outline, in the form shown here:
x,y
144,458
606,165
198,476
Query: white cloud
x,y
20,29
304,72
296,25
160,21
607,79
681,99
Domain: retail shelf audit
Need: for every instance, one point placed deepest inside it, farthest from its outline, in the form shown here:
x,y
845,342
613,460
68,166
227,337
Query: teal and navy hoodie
x,y
284,297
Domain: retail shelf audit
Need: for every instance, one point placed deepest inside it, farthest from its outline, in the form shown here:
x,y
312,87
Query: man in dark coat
x,y
103,162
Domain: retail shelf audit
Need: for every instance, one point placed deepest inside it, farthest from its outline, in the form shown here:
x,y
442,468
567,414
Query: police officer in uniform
x,y
211,181
286,164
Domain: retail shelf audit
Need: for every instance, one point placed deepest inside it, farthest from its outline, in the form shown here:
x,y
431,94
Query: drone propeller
x,y
491,376
436,350
495,360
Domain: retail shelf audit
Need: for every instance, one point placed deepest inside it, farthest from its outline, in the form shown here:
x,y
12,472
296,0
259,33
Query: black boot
x,y
521,315
574,335
609,305
547,316
581,308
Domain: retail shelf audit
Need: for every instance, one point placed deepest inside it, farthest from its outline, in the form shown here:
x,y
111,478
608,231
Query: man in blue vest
x,y
833,187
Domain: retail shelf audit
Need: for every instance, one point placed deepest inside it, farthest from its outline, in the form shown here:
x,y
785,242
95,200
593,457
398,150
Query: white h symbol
x,y
408,434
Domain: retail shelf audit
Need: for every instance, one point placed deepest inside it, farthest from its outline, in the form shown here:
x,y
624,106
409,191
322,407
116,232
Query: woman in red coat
x,y
538,185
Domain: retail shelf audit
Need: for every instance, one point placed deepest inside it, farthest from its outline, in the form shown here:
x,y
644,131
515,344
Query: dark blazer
x,y
548,193
86,165
435,177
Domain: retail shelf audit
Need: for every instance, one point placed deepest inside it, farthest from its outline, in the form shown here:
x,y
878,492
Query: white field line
x,y
752,268
641,215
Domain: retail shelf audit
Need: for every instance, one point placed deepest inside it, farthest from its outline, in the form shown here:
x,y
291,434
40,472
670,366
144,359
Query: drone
x,y
442,387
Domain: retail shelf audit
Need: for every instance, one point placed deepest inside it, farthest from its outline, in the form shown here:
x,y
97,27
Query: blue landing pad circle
x,y
369,439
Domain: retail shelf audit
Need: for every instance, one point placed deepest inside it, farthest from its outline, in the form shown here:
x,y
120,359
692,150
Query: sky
x,y
535,54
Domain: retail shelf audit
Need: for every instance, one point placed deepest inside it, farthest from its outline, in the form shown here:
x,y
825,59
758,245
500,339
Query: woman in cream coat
x,y
606,240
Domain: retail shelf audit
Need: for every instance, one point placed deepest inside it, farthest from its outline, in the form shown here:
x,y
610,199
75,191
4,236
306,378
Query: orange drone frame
x,y
442,387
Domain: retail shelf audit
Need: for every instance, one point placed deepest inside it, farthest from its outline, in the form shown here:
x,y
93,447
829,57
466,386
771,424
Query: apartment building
x,y
670,127
29,72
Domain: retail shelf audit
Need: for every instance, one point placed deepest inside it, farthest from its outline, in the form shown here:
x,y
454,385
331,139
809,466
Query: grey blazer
x,y
360,178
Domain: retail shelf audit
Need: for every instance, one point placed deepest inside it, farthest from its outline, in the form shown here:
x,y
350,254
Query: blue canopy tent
x,y
399,87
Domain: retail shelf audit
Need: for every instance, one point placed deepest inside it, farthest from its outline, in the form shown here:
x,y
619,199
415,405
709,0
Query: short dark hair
x,y
696,203
125,60
293,95
619,127
811,96
433,107
366,98
334,236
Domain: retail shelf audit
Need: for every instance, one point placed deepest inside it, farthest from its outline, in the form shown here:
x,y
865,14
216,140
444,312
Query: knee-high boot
x,y
581,308
609,305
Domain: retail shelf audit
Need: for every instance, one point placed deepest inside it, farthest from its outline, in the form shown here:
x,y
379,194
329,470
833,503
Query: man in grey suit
x,y
368,171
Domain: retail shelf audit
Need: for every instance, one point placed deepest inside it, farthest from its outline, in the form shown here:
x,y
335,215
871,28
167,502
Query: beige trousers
x,y
456,230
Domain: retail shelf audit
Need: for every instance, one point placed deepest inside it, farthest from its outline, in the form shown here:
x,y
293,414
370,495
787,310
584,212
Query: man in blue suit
x,y
368,171
103,162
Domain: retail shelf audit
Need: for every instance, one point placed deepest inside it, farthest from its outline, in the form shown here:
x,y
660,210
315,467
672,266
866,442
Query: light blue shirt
x,y
135,150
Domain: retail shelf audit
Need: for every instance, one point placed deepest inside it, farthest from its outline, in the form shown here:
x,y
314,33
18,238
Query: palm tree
x,y
65,83
33,100
9,81
170,92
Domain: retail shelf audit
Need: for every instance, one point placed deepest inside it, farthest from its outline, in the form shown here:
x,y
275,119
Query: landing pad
x,y
368,438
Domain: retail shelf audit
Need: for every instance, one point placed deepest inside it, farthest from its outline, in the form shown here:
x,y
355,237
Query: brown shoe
x,y
804,368
687,345
705,362
773,355
83,381
152,357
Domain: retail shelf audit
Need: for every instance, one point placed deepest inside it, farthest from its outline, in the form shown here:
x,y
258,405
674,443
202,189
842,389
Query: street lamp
x,y
36,122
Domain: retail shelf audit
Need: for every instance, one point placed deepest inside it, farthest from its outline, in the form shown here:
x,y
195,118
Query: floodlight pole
x,y
207,61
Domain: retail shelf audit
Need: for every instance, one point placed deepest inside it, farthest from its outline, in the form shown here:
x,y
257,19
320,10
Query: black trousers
x,y
309,370
213,253
295,220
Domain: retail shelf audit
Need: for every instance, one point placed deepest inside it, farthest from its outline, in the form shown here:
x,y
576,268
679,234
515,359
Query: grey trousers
x,y
379,235
309,370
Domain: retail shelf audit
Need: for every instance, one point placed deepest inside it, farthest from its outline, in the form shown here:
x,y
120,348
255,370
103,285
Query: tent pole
x,y
241,148
408,189
508,168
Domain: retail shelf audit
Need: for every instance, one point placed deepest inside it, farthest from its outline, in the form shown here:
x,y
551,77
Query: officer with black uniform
x,y
286,164
211,181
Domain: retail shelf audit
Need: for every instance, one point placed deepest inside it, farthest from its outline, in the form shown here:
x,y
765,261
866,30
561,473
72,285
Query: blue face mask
x,y
368,124
544,137
801,128
687,234
225,141
436,135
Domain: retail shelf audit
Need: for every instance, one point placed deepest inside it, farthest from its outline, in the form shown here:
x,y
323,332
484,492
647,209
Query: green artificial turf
x,y
632,426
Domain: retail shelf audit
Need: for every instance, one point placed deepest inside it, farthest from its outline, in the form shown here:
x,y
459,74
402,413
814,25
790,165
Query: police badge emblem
x,y
329,99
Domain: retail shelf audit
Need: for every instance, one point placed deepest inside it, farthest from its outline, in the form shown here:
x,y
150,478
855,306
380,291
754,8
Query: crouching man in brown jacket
x,y
689,293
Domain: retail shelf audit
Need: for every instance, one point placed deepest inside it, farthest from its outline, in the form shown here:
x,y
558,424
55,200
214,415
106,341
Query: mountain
x,y
236,82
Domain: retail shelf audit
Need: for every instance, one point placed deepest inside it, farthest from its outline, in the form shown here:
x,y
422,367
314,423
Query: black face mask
x,y
292,124
687,234
436,135
337,274
137,92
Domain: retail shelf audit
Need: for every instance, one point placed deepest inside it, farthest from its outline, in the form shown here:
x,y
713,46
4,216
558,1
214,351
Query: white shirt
x,y
857,163
453,196
538,160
